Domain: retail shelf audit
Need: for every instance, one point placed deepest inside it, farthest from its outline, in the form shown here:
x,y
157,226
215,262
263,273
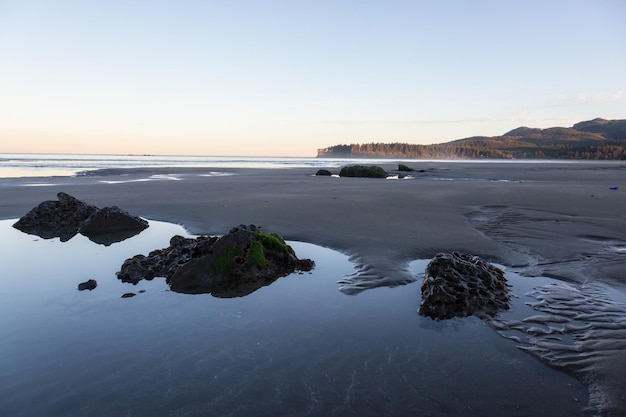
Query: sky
x,y
284,78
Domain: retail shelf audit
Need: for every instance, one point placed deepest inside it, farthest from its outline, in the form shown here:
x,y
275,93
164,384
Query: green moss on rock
x,y
365,171
226,262
264,242
238,263
271,241
257,254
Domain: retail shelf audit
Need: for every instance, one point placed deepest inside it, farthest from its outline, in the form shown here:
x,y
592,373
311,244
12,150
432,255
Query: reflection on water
x,y
577,328
298,347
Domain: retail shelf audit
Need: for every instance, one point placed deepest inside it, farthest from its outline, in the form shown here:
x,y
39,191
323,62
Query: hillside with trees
x,y
595,139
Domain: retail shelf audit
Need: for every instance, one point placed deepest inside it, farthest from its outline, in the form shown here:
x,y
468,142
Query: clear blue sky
x,y
284,78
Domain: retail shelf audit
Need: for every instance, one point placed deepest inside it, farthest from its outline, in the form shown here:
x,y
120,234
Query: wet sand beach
x,y
556,217
559,220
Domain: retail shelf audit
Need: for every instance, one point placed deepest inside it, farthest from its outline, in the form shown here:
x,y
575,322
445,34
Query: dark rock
x,y
112,224
404,168
236,264
128,295
363,171
164,262
239,263
459,285
87,285
52,219
68,216
324,172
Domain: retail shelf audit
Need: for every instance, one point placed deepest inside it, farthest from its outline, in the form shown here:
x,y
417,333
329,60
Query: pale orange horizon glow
x,y
216,78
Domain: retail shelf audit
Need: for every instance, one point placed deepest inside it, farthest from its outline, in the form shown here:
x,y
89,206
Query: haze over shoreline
x,y
597,139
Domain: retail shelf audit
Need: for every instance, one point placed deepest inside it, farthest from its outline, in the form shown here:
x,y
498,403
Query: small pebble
x,y
87,285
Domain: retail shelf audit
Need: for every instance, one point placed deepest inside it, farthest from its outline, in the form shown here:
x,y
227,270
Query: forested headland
x,y
598,139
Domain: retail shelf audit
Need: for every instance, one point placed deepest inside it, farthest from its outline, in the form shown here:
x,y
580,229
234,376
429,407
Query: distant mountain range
x,y
594,139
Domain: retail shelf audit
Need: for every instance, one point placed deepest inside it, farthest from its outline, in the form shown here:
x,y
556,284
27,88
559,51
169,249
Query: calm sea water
x,y
47,165
299,347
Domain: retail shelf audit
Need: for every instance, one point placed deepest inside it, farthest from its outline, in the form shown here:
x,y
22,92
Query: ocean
x,y
49,165
16,165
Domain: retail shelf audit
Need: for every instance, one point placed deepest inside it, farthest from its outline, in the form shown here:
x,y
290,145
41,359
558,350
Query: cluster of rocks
x,y
367,171
164,262
236,264
68,216
460,285
246,259
362,171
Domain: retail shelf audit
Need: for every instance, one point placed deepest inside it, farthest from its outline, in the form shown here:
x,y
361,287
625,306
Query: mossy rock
x,y
404,168
363,171
263,243
239,263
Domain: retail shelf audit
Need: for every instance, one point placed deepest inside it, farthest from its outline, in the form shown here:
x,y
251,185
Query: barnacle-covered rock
x,y
164,262
459,285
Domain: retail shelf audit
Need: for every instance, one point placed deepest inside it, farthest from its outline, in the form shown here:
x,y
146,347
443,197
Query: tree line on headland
x,y
595,139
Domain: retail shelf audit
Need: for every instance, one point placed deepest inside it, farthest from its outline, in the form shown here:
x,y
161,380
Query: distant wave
x,y
48,165
68,165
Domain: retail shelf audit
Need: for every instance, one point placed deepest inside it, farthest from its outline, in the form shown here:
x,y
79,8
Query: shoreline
x,y
540,216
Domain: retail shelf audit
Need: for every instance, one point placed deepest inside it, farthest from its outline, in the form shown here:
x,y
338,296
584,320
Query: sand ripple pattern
x,y
557,245
374,271
580,329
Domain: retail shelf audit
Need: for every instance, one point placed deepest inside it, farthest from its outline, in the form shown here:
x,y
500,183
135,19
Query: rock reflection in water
x,y
579,329
67,216
297,347
233,265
